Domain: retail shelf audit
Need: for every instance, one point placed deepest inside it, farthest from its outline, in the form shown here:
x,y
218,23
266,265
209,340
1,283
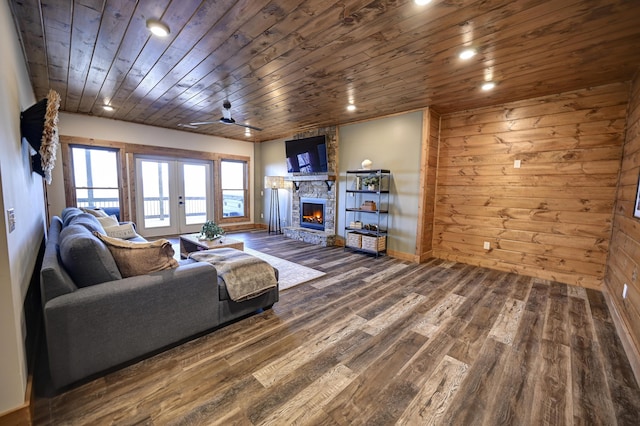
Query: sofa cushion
x,y
68,214
139,258
88,221
86,259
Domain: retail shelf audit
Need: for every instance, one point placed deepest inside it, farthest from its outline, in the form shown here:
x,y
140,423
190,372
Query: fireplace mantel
x,y
296,179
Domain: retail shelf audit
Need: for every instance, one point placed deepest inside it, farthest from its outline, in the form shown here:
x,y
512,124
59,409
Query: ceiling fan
x,y
225,119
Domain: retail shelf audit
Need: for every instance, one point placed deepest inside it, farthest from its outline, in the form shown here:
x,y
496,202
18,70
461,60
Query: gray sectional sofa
x,y
96,320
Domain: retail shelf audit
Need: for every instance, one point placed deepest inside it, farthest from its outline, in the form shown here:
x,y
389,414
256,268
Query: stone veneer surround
x,y
317,189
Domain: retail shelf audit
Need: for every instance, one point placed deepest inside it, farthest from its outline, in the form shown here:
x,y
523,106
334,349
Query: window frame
x,y
127,173
219,203
69,176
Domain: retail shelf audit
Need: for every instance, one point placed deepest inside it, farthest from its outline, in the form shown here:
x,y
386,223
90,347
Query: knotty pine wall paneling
x,y
428,168
623,265
552,217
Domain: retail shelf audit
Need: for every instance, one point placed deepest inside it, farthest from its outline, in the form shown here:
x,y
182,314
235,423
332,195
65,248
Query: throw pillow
x,y
108,222
137,258
124,231
96,211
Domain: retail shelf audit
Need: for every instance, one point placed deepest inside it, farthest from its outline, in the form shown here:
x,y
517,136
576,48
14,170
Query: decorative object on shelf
x,y
366,164
368,205
39,126
275,183
371,227
210,231
355,224
371,182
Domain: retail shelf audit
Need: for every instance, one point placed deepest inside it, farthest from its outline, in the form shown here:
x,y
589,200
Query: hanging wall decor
x,y
39,126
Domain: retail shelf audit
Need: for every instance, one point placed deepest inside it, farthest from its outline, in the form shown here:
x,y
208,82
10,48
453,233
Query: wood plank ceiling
x,y
291,65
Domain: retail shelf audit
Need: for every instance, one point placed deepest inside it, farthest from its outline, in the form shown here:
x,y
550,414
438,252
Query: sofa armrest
x,y
101,326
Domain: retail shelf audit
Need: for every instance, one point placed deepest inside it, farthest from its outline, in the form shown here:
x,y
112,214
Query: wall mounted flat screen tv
x,y
308,155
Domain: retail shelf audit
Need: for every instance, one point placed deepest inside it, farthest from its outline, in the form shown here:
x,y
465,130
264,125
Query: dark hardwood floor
x,y
379,342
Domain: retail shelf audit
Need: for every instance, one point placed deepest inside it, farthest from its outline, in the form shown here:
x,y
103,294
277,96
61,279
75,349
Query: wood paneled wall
x,y
623,265
552,217
428,169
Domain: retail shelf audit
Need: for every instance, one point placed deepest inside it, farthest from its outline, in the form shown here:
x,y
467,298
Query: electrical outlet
x,y
516,164
624,291
261,215
487,245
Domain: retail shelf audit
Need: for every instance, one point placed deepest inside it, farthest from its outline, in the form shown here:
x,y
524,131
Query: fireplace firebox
x,y
312,213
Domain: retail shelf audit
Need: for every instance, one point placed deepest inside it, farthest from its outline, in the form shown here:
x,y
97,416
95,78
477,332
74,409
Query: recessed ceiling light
x,y
351,107
107,108
158,28
488,85
467,54
422,2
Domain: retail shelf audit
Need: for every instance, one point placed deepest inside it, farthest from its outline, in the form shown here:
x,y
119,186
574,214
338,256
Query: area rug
x,y
290,274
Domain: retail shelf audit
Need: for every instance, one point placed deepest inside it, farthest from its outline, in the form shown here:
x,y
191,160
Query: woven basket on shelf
x,y
354,239
374,243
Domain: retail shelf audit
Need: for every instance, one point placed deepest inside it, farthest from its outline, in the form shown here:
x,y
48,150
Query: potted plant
x,y
211,231
371,182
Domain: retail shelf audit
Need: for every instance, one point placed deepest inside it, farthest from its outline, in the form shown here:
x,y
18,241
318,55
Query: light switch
x,y
11,218
516,164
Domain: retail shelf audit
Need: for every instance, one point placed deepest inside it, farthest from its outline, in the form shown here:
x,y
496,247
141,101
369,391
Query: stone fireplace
x,y
313,205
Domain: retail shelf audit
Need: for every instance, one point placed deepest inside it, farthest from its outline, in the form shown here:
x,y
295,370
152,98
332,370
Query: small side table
x,y
189,243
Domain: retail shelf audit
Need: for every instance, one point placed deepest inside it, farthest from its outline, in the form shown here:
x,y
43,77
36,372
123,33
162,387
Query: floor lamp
x,y
274,183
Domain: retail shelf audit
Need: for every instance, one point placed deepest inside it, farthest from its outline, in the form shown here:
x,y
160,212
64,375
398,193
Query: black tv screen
x,y
308,155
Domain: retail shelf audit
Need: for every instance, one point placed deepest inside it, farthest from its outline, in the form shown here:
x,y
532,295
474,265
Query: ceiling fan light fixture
x,y
158,28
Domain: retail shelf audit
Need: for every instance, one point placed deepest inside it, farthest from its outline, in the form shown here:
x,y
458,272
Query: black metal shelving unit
x,y
367,211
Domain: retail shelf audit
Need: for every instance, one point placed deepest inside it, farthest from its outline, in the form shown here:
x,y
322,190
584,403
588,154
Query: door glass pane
x,y
155,192
195,193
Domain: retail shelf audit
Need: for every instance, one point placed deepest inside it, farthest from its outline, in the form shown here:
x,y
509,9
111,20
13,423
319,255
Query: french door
x,y
172,196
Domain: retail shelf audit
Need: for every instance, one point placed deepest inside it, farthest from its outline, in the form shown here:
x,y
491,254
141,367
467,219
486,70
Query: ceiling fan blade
x,y
202,123
188,126
258,129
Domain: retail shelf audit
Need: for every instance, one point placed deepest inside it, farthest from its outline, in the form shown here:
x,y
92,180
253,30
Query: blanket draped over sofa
x,y
246,276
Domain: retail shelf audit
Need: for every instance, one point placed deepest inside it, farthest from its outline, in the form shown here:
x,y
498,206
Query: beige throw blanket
x,y
245,276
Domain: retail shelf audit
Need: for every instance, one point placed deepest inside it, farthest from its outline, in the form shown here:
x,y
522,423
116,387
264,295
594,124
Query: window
x,y
233,185
95,177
